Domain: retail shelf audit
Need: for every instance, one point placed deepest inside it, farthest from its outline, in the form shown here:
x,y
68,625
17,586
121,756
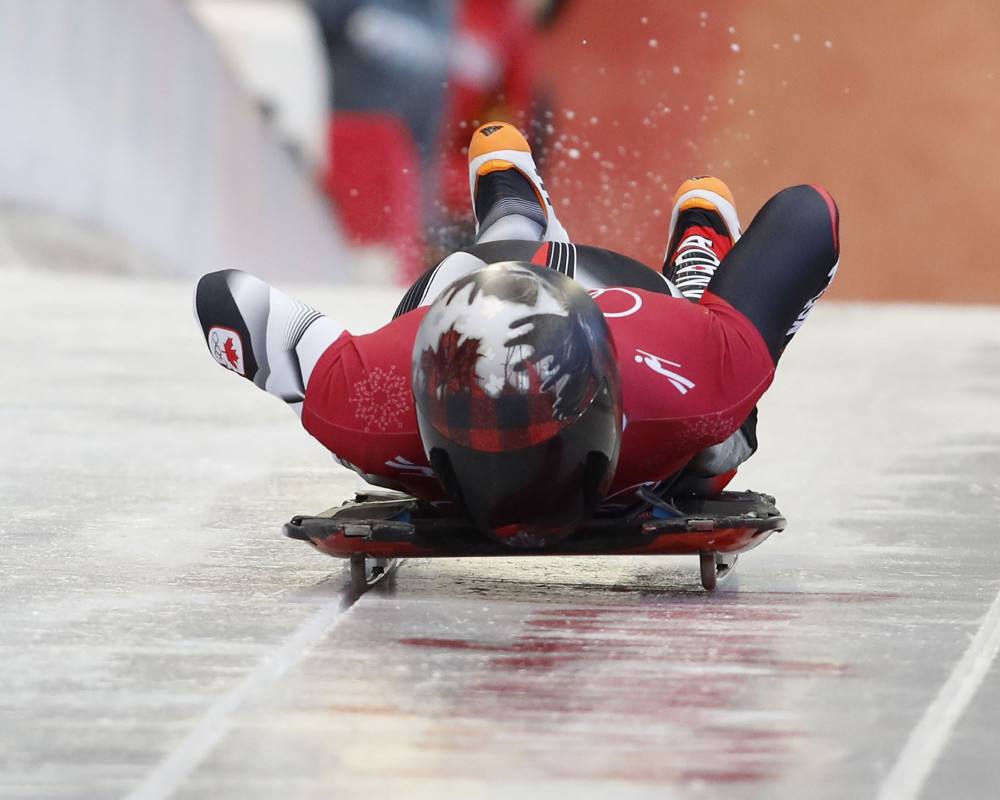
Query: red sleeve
x,y
359,405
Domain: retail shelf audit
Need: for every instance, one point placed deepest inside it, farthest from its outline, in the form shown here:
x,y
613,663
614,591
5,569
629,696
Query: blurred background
x,y
326,138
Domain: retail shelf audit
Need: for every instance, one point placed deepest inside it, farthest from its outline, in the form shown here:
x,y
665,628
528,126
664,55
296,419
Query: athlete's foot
x,y
261,333
703,228
506,188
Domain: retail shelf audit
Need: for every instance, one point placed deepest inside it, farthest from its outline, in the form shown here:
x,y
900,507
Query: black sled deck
x,y
376,529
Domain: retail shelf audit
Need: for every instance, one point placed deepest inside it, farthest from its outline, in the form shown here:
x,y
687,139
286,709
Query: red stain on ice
x,y
683,678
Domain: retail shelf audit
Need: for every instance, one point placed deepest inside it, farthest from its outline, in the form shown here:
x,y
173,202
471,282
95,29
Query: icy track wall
x,y
122,116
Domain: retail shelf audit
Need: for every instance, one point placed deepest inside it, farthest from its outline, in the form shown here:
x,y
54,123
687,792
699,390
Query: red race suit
x,y
691,373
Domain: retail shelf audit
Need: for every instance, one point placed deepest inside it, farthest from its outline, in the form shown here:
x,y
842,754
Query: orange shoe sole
x,y
705,183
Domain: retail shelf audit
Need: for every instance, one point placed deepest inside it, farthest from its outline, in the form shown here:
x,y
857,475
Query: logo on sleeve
x,y
661,366
616,301
227,348
381,399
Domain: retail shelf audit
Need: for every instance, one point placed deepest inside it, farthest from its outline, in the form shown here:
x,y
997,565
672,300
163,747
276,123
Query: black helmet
x,y
518,399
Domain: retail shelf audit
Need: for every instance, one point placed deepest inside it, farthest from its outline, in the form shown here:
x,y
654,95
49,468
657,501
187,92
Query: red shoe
x,y
703,228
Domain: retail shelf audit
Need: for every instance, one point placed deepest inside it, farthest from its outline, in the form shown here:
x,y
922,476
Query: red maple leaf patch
x,y
453,367
231,355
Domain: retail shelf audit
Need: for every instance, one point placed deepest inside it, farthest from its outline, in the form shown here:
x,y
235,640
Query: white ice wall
x,y
276,49
122,113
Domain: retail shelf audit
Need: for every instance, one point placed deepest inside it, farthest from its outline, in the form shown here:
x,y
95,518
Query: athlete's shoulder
x,y
506,250
617,269
594,267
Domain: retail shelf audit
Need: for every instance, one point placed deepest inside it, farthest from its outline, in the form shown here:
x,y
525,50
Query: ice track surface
x,y
160,638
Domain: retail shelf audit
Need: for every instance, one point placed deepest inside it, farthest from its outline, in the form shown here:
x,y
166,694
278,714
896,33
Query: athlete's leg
x,y
261,333
351,392
509,198
782,264
773,276
510,204
704,226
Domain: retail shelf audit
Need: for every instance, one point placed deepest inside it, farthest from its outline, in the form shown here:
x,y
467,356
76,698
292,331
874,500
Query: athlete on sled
x,y
528,380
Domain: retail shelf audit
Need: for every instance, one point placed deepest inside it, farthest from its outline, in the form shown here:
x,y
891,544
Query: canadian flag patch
x,y
227,348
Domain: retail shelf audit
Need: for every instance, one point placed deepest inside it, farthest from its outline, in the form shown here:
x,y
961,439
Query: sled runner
x,y
376,529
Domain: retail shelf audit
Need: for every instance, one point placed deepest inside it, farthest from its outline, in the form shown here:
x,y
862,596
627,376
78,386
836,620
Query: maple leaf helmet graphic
x,y
518,400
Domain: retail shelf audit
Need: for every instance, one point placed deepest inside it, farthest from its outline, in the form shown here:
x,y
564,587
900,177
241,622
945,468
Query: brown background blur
x,y
894,106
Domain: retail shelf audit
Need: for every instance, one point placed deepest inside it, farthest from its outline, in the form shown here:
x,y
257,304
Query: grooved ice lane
x,y
160,637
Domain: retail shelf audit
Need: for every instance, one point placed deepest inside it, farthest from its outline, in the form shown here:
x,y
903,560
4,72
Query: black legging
x,y
783,263
773,275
